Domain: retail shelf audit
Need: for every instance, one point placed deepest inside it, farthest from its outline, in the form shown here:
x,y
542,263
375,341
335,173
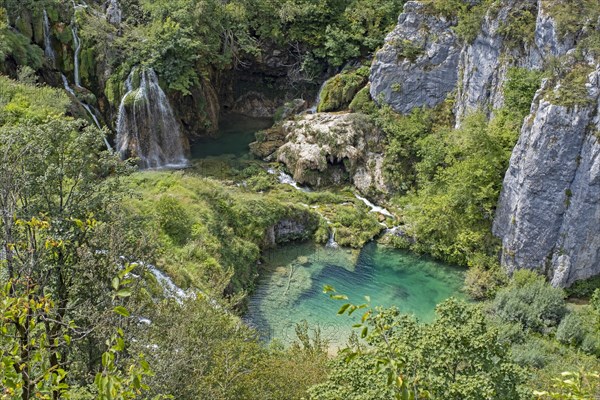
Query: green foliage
x,y
458,356
519,89
174,219
573,385
571,19
571,330
21,102
22,51
584,288
460,177
202,351
469,15
518,30
572,90
340,90
481,283
530,301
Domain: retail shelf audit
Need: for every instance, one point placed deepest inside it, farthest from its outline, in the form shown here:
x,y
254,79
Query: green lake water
x,y
291,287
236,132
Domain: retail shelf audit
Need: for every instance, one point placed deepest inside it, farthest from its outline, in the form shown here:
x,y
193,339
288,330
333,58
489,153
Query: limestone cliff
x,y
548,215
549,211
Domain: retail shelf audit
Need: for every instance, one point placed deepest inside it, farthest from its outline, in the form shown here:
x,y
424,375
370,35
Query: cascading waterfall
x,y
313,109
70,90
77,44
113,13
375,208
146,125
48,50
331,243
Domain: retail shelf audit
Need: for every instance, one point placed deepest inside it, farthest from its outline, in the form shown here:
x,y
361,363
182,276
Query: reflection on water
x,y
236,132
291,287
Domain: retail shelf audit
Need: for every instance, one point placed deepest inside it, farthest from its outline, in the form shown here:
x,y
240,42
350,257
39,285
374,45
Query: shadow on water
x,y
236,132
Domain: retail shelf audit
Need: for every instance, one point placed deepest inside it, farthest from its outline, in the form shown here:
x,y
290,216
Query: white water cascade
x,y
331,243
70,90
286,179
146,125
313,109
77,43
375,208
48,50
113,13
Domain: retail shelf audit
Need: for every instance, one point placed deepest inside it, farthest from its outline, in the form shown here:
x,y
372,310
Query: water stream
x,y
87,107
48,50
291,287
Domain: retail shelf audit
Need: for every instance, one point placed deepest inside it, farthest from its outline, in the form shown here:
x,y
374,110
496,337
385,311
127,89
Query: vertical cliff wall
x,y
548,215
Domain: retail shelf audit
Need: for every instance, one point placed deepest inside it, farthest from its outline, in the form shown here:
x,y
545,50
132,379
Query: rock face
x,y
423,61
324,149
418,65
549,211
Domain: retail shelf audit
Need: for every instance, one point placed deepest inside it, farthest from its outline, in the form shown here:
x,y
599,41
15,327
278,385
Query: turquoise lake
x,y
291,287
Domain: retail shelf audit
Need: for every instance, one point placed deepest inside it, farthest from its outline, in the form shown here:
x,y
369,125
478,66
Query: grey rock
x,y
548,215
425,80
328,149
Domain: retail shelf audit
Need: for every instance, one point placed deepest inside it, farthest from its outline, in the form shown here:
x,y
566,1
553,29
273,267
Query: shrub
x,y
571,330
174,219
481,283
530,301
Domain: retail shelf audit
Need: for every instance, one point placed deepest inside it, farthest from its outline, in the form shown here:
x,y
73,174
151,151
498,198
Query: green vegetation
x,y
458,356
340,90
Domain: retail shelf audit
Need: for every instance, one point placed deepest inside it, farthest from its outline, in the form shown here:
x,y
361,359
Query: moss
x,y
572,89
340,90
87,63
363,102
571,19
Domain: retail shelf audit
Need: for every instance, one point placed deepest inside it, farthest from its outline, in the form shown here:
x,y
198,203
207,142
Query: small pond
x,y
291,287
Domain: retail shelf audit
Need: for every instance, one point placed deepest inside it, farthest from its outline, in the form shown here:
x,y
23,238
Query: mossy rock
x,y
363,102
340,90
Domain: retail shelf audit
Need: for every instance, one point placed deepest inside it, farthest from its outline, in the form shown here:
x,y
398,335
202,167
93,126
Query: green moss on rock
x,y
339,91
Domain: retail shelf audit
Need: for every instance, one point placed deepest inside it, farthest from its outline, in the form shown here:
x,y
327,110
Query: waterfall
x,y
331,243
313,109
374,208
70,90
146,125
48,51
113,13
167,284
77,44
286,179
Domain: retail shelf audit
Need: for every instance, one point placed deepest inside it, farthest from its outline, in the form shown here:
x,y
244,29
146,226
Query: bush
x,y
571,330
481,283
530,301
174,219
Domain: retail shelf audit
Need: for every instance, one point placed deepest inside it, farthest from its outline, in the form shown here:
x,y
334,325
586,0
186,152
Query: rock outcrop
x,y
418,65
423,60
549,211
328,149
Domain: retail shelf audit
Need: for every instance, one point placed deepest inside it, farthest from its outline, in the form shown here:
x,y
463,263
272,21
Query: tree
x,y
458,356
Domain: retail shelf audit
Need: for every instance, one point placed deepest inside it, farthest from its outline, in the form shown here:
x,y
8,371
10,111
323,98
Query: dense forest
x,y
178,177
